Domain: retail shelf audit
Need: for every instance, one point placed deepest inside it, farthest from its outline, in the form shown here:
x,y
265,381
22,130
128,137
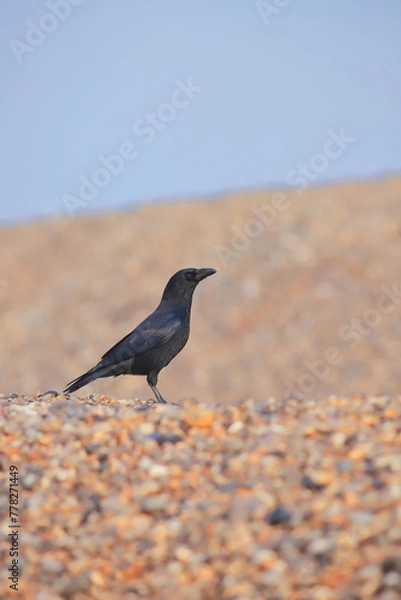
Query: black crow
x,y
155,342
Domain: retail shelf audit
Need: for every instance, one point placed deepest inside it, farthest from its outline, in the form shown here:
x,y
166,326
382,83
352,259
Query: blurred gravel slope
x,y
267,323
268,500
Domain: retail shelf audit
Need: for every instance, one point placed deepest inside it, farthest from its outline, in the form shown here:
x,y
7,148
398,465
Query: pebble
x,y
52,565
310,483
320,547
392,580
156,470
279,514
235,427
161,438
154,503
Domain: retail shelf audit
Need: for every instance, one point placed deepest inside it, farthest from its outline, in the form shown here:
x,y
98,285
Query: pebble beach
x,y
267,500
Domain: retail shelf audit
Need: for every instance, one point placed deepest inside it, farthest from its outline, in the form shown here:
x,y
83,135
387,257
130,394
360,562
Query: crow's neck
x,y
182,305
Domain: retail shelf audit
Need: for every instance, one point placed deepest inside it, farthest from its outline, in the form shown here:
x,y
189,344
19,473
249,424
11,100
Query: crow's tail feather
x,y
91,375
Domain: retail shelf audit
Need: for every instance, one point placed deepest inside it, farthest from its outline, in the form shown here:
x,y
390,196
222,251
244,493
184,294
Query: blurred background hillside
x,y
260,138
309,303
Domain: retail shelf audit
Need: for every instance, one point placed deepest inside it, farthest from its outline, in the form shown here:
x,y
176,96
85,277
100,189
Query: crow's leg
x,y
152,380
158,395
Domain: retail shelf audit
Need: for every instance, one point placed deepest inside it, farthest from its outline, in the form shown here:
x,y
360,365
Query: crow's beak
x,y
203,273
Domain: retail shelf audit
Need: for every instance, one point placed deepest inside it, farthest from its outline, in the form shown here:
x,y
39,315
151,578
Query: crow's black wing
x,y
153,332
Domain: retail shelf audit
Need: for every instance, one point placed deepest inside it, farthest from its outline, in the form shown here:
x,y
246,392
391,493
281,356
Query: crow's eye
x,y
190,275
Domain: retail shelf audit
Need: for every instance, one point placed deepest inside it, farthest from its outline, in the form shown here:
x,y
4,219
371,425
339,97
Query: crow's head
x,y
182,285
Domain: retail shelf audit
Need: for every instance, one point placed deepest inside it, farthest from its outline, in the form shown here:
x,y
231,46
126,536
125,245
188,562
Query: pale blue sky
x,y
274,91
